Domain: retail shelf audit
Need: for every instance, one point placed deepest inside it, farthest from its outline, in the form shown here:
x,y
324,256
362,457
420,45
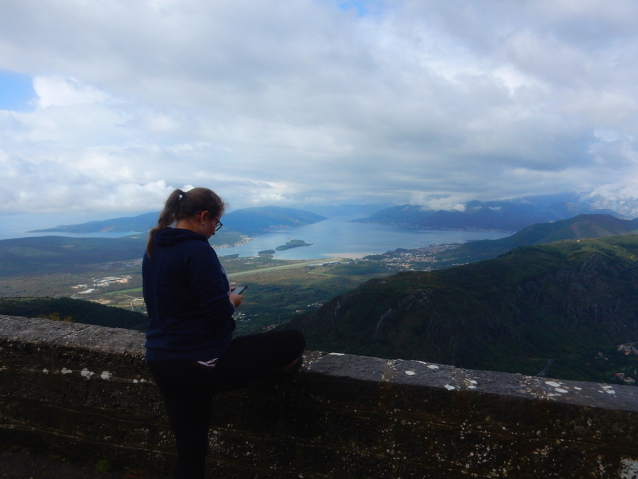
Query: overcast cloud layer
x,y
285,102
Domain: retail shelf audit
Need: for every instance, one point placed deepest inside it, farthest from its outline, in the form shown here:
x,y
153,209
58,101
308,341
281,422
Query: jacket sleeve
x,y
210,283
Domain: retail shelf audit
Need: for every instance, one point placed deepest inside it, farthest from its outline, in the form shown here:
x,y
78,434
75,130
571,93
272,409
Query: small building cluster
x,y
101,283
628,349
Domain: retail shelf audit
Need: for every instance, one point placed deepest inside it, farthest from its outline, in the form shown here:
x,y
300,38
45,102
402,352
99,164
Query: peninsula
x,y
292,244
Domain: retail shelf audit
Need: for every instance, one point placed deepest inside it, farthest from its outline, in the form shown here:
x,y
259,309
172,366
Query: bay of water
x,y
335,237
20,225
342,238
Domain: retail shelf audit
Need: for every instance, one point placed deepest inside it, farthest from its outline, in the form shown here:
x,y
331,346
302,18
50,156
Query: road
x,y
287,266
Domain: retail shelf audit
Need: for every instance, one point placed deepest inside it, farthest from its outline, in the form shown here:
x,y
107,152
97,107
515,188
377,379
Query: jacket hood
x,y
171,236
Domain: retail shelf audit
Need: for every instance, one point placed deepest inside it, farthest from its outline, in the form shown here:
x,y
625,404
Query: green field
x,y
278,289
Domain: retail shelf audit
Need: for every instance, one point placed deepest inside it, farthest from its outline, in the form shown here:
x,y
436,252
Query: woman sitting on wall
x,y
189,345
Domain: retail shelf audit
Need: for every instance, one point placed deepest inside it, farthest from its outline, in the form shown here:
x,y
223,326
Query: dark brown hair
x,y
180,205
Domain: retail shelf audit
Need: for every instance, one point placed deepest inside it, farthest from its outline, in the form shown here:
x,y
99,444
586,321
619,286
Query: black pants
x,y
188,389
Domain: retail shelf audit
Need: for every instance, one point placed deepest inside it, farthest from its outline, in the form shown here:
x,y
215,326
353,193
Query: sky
x,y
106,106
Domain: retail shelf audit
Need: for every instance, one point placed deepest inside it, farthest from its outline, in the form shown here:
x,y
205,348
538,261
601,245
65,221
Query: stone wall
x,y
84,392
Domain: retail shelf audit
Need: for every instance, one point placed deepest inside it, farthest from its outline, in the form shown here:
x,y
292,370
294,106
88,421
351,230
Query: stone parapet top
x,y
53,347
80,340
60,333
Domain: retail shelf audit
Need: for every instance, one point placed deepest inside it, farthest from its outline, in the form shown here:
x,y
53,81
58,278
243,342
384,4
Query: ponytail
x,y
180,205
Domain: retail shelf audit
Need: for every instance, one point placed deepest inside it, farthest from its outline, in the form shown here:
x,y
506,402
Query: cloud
x,y
307,101
65,91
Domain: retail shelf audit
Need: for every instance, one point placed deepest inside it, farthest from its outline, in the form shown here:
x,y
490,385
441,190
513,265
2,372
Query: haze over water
x,y
335,237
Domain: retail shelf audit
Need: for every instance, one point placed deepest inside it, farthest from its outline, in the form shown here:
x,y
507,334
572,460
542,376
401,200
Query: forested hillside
x,y
578,227
74,310
563,301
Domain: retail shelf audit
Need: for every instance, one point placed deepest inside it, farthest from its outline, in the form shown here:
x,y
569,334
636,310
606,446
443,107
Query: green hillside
x,y
54,254
48,254
563,300
75,310
579,227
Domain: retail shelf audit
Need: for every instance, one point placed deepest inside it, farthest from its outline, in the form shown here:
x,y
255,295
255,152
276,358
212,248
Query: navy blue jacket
x,y
186,294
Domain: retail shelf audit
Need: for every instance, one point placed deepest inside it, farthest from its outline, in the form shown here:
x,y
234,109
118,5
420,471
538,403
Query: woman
x,y
190,305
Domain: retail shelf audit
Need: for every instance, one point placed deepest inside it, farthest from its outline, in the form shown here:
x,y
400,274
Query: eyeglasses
x,y
218,226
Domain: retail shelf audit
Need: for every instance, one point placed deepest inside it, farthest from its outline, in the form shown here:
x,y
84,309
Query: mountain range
x,y
506,215
511,215
512,313
244,221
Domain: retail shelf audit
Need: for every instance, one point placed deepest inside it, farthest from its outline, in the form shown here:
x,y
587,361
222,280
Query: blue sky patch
x,y
16,92
362,7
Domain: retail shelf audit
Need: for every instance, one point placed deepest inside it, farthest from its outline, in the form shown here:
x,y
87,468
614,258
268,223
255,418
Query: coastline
x,y
348,255
244,240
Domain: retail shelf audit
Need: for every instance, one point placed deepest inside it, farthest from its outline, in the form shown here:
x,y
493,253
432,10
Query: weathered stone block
x,y
15,329
493,411
52,418
307,423
261,416
410,470
556,459
217,468
345,381
279,455
478,453
413,439
133,400
136,434
95,427
27,438
35,356
423,403
268,475
241,449
17,411
97,349
42,387
361,465
360,431
166,439
227,410
320,460
607,396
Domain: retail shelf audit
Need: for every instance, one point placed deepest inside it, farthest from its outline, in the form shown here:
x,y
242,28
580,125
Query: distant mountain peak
x,y
246,221
507,215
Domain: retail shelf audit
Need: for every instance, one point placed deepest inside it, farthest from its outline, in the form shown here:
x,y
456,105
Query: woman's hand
x,y
236,299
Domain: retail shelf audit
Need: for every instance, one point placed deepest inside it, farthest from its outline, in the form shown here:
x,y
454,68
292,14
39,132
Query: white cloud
x,y
53,91
283,102
452,202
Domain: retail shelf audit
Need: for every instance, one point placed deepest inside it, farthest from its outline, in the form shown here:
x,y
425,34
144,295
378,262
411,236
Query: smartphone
x,y
239,289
